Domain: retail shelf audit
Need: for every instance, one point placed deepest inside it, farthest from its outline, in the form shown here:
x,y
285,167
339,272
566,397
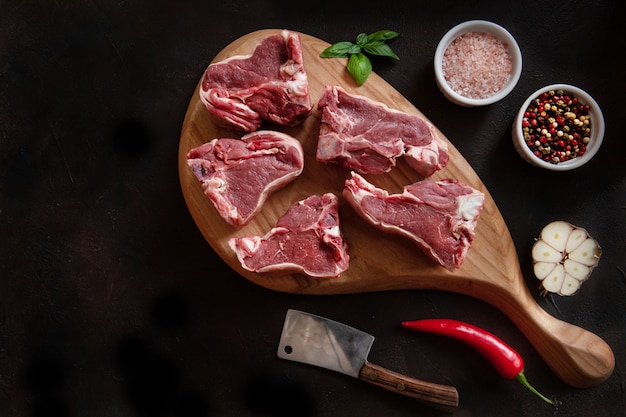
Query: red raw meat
x,y
367,136
269,84
238,175
306,239
440,216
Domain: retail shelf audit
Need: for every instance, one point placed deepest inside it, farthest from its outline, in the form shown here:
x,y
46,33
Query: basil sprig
x,y
359,64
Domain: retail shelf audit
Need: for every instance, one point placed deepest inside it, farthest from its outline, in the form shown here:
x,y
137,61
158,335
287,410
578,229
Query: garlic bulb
x,y
563,257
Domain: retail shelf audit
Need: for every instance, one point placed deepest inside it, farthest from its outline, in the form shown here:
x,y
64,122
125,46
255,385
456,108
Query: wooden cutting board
x,y
380,262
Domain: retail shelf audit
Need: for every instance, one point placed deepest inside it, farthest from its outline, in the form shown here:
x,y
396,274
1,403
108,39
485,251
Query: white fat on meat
x,y
307,239
427,159
238,175
439,216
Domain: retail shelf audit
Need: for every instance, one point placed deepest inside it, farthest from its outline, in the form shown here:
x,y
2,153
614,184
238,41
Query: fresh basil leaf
x,y
380,49
361,39
338,50
359,64
360,67
354,49
382,35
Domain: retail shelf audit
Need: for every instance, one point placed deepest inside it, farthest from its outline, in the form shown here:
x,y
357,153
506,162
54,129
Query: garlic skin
x,y
564,256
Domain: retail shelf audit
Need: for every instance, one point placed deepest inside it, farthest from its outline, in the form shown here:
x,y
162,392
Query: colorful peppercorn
x,y
557,127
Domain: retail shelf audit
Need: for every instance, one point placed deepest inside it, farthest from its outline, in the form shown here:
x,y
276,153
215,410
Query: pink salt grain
x,y
477,65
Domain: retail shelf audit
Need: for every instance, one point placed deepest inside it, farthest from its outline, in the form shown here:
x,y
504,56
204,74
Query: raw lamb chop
x,y
367,136
269,84
440,216
238,175
306,239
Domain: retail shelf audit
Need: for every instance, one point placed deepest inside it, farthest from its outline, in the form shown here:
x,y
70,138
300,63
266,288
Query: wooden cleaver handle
x,y
442,395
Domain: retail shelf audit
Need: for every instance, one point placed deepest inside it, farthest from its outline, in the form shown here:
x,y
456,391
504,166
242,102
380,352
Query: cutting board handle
x,y
577,356
443,396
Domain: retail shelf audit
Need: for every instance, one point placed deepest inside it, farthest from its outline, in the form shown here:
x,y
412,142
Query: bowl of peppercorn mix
x,y
477,63
559,127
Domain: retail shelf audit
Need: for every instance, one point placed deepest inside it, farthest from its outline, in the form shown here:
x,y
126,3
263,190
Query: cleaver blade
x,y
328,344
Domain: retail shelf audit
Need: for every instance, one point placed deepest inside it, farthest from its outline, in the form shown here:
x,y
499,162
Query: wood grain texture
x,y
444,396
380,262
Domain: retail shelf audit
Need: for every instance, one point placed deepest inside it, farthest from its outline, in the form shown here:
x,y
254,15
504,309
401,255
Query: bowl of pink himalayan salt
x,y
477,63
559,127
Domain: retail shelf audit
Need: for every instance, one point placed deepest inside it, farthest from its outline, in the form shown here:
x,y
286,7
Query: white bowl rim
x,y
475,26
598,128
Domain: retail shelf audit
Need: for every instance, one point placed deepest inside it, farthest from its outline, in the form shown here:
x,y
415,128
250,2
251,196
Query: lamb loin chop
x,y
238,175
306,239
439,216
269,84
367,136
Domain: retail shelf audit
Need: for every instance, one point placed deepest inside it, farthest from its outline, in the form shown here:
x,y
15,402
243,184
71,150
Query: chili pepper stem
x,y
521,378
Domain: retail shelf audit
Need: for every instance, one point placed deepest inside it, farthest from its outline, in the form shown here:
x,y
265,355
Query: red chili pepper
x,y
504,358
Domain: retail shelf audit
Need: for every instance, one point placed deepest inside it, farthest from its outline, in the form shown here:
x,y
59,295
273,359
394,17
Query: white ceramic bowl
x,y
596,137
478,26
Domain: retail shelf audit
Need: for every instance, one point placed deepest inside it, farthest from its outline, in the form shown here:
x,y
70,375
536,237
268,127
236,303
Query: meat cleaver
x,y
318,341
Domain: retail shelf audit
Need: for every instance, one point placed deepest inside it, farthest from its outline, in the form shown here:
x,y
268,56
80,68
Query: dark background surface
x,y
113,304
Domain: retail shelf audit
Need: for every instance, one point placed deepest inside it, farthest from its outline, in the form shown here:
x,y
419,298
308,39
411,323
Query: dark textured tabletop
x,y
113,304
